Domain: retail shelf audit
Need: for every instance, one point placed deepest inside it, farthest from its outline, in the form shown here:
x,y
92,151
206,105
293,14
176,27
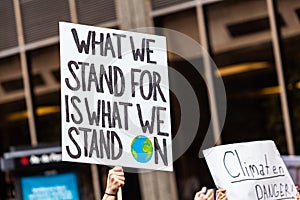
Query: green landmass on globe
x,y
141,149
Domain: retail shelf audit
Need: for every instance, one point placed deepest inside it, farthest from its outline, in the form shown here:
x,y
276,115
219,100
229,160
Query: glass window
x,y
241,47
40,18
94,12
12,105
8,32
14,129
44,64
290,11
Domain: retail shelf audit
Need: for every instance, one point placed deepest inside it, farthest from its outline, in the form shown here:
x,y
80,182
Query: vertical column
x,y
280,75
26,76
209,74
141,16
123,14
96,182
73,11
158,185
155,185
94,168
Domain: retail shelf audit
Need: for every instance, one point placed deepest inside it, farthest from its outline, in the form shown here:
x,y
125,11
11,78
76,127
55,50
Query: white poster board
x,y
249,171
114,97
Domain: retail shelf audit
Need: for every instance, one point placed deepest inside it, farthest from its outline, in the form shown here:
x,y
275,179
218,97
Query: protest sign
x,y
114,97
252,170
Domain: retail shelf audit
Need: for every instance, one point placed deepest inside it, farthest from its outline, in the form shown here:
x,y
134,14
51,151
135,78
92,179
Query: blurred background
x,y
254,43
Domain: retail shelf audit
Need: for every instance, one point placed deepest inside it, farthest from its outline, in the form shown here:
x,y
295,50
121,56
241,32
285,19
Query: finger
x,y
198,194
112,173
115,179
122,178
119,178
121,183
117,173
112,176
117,185
220,195
117,168
202,197
221,191
210,194
203,190
224,198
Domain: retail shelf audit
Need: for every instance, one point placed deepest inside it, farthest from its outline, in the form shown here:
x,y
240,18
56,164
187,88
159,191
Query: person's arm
x,y
115,180
221,194
204,194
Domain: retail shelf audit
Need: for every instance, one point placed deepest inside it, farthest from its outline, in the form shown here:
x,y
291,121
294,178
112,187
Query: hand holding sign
x,y
115,180
252,170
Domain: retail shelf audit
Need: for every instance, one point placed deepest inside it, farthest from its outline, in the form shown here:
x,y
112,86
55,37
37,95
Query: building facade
x,y
254,44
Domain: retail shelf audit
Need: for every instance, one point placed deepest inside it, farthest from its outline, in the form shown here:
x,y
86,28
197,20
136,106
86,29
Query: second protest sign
x,y
251,170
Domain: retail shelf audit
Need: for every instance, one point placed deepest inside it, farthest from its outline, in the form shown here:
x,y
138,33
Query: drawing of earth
x,y
141,149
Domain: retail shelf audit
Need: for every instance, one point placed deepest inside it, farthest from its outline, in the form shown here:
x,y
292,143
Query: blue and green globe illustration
x,y
141,149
